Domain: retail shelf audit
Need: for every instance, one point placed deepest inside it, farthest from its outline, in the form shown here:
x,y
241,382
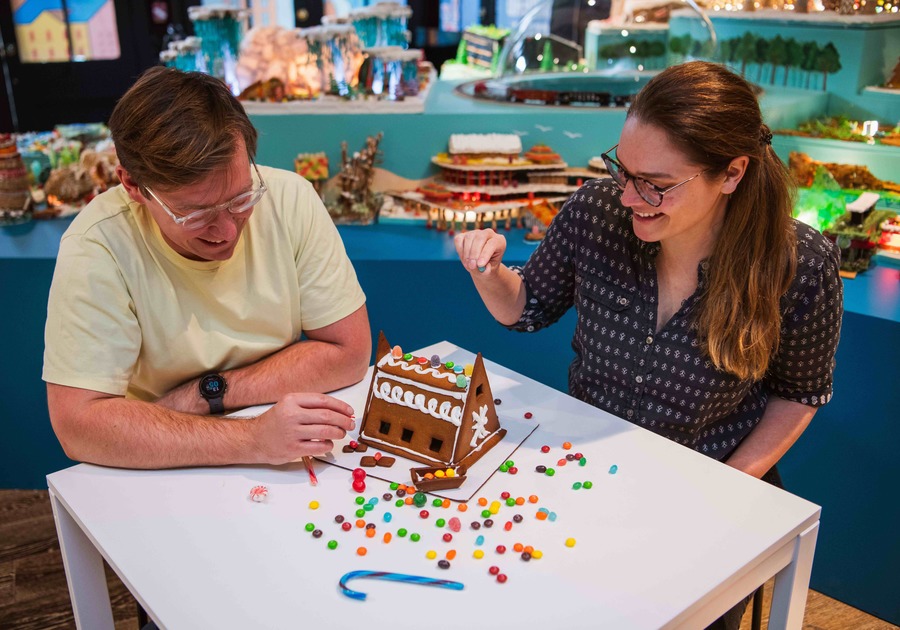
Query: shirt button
x,y
629,413
639,379
649,340
530,329
623,301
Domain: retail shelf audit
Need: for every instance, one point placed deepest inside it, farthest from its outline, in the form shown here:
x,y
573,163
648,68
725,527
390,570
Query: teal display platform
x,y
418,293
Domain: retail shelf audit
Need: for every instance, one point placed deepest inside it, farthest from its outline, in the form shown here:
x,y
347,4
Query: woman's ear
x,y
734,173
131,186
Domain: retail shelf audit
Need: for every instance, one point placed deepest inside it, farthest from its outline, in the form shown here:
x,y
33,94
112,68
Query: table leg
x,y
84,572
792,583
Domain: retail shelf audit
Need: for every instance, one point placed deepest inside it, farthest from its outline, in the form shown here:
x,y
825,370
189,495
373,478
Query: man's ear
x,y
131,186
735,173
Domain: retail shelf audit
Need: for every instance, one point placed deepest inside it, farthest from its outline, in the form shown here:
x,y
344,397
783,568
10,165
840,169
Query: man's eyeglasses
x,y
650,193
241,204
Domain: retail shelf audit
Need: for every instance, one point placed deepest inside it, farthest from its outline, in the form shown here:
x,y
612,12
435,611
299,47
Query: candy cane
x,y
395,577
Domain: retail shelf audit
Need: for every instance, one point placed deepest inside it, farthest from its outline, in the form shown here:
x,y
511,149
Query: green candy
x,y
588,485
485,514
440,522
407,357
368,507
437,503
399,502
414,537
510,502
310,527
394,485
360,500
509,463
420,499
577,485
332,544
550,472
449,365
360,513
401,532
503,468
582,461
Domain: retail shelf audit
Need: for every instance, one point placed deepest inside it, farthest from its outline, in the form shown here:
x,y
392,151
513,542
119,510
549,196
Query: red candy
x,y
501,578
545,449
359,485
377,456
359,473
508,525
504,495
561,462
346,526
454,524
448,537
494,570
500,549
513,470
424,513
528,415
578,455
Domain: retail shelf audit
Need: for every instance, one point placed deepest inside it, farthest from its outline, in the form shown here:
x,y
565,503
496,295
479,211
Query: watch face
x,y
212,385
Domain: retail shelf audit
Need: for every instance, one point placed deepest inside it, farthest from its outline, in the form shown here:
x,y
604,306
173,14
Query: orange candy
x,y
408,500
360,523
567,445
462,507
387,537
451,554
528,548
533,498
445,503
428,476
362,551
520,500
482,501
541,516
518,547
370,533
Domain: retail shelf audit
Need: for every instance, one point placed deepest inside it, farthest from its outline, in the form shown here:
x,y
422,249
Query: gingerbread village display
x,y
429,411
486,180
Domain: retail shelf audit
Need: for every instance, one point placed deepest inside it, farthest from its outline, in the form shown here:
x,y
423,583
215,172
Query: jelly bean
x,y
567,445
360,500
368,507
587,485
353,444
570,542
517,518
480,540
544,510
430,554
533,498
540,468
332,544
494,570
518,547
359,485
503,468
545,449
488,523
485,513
476,525
541,516
478,554
310,527
504,495
423,514
513,470
510,463
447,537
561,462
578,456
537,554
437,503
576,485
582,461
377,456
414,537
387,537
359,473
570,457
443,564
440,522
495,507
401,532
550,472
313,505
360,513
370,533
450,472
317,533
454,524
387,517
346,526
450,555
528,415
507,525
501,549
338,519
501,578
399,503
552,516
613,469
440,475
482,501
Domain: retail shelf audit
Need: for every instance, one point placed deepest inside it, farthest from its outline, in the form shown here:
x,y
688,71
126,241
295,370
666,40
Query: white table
x,y
673,539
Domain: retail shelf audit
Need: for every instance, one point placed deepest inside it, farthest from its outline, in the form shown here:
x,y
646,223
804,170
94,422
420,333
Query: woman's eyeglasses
x,y
651,193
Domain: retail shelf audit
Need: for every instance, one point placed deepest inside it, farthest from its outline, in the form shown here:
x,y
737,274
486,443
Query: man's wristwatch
x,y
212,388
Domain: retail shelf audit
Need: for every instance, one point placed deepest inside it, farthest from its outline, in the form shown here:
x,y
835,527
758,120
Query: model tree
x,y
809,60
746,50
828,62
777,55
762,56
794,56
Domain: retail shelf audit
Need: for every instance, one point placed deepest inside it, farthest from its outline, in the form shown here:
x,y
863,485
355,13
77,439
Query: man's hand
x,y
300,425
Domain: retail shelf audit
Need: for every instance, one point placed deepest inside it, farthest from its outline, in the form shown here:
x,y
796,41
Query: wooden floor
x,y
34,596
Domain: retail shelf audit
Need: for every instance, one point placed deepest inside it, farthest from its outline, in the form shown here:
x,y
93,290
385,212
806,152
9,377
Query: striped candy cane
x,y
394,577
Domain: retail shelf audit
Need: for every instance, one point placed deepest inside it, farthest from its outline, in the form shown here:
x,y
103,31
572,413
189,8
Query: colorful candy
x,y
258,494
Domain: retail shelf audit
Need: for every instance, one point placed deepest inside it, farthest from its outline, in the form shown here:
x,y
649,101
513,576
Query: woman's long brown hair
x,y
712,116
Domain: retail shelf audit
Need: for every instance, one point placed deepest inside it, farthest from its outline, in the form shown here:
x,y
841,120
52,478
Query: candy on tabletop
x,y
258,494
396,577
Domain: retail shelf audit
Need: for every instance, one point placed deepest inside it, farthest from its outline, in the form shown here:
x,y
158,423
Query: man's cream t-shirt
x,y
127,315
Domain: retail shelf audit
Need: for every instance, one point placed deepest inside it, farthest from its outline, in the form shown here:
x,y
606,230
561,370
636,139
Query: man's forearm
x,y
137,434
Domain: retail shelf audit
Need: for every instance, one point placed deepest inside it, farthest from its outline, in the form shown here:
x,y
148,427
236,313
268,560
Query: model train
x,y
551,97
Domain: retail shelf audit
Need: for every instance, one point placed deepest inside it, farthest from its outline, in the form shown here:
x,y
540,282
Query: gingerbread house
x,y
429,411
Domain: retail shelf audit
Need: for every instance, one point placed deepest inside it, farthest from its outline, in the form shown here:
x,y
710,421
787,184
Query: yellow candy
x,y
570,542
450,472
495,507
431,555
468,369
439,474
537,554
478,553
313,505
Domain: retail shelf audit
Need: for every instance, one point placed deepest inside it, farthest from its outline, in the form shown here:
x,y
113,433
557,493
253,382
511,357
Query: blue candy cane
x,y
395,577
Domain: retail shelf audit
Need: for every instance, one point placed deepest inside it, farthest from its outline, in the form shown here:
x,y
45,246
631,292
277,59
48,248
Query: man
x,y
184,292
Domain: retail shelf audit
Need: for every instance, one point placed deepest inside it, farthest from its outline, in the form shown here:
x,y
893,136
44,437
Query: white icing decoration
x,y
479,419
447,411
424,370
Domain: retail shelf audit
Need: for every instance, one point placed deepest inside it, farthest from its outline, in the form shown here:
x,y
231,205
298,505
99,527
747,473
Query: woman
x,y
705,312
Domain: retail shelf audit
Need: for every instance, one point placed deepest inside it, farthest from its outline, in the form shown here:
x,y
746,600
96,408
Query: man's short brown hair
x,y
174,128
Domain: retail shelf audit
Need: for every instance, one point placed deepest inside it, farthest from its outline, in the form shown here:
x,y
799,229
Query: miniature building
x,y
427,411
